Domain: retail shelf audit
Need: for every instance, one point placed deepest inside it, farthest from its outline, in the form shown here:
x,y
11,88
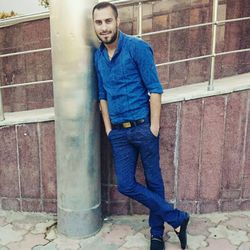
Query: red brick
x,y
228,206
119,208
160,46
209,207
245,205
105,208
178,74
189,150
234,139
9,183
138,208
116,196
198,71
160,22
246,187
247,139
167,147
188,206
31,205
127,27
231,194
11,204
49,206
105,192
180,17
13,38
48,161
140,172
163,73
212,147
29,160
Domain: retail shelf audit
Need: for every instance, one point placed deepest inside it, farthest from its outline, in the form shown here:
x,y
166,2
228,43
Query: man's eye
x,y
109,21
98,22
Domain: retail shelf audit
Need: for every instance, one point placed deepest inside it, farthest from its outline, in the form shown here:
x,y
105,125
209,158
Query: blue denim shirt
x,y
126,80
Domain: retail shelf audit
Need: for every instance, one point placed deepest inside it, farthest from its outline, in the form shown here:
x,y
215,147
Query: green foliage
x,y
44,3
7,14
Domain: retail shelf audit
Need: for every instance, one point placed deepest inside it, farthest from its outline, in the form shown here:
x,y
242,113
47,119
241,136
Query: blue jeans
x,y
127,144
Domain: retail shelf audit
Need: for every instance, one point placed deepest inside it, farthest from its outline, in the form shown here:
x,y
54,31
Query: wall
x,y
171,46
204,142
205,160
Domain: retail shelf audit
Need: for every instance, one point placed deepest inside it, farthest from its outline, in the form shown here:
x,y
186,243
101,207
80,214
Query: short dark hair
x,y
103,5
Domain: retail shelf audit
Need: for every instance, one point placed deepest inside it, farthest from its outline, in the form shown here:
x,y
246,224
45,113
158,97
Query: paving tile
x,y
137,240
236,237
194,242
7,235
218,244
238,222
133,248
198,225
244,246
64,243
3,248
215,217
28,242
117,234
41,227
3,222
171,246
50,246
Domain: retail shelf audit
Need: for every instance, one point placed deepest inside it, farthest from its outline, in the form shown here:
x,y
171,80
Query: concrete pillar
x,y
76,118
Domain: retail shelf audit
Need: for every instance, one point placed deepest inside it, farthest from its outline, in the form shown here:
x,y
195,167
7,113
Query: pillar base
x,y
79,224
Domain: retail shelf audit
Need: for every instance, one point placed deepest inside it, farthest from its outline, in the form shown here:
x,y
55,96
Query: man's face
x,y
106,25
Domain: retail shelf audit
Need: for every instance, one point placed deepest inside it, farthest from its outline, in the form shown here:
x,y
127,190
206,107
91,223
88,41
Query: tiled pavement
x,y
217,231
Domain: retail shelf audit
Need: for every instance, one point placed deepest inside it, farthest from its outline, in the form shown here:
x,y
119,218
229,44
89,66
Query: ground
x,y
36,231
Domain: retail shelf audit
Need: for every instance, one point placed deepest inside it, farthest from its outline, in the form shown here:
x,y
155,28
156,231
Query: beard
x,y
111,40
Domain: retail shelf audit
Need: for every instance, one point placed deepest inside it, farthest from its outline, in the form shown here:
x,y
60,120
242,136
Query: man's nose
x,y
104,27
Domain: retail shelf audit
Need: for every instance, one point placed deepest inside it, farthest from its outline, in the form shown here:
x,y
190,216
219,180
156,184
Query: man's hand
x,y
155,130
108,131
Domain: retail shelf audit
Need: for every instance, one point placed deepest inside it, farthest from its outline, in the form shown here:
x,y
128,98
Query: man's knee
x,y
126,189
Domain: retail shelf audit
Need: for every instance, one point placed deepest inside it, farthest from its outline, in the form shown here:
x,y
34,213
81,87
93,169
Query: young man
x,y
126,74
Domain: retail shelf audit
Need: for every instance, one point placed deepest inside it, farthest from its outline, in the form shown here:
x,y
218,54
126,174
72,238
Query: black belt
x,y
128,124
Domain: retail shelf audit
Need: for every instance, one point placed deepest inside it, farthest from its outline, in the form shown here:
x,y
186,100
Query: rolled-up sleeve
x,y
102,95
144,58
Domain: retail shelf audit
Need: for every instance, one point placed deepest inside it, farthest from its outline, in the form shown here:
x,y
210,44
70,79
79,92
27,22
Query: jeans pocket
x,y
153,134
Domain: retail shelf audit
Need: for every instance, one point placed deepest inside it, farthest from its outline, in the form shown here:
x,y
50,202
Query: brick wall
x,y
205,157
205,160
26,68
205,143
171,46
27,167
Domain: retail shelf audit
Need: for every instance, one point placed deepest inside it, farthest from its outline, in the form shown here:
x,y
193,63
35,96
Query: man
x,y
126,74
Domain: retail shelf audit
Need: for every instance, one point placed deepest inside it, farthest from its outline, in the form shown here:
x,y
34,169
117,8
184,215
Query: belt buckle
x,y
126,125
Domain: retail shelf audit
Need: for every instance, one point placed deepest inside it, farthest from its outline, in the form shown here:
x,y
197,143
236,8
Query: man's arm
x,y
155,112
105,115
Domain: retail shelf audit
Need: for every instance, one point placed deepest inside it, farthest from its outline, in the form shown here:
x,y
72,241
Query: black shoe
x,y
157,243
182,234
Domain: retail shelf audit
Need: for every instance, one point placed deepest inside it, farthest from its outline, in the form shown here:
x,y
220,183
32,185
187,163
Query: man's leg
x,y
124,143
149,150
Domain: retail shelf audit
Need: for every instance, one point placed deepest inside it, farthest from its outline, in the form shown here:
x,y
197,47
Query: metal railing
x,y
212,56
